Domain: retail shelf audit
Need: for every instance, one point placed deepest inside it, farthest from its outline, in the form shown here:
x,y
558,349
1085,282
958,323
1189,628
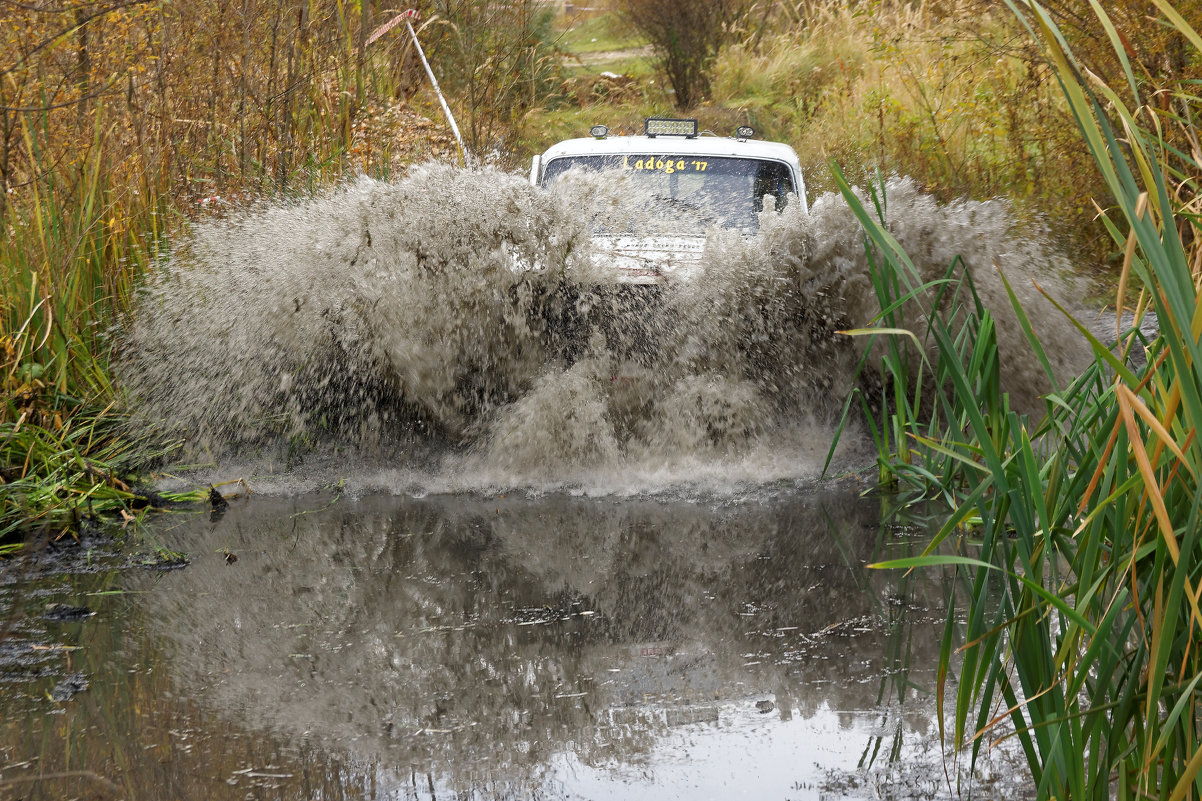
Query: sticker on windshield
x,y
665,165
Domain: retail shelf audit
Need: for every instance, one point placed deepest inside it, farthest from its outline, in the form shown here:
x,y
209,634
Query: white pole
x,y
445,108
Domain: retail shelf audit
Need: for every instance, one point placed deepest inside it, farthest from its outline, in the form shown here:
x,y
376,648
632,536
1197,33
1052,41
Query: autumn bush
x,y
687,36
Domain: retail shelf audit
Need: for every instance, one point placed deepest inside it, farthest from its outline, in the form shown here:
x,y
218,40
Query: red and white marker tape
x,y
411,13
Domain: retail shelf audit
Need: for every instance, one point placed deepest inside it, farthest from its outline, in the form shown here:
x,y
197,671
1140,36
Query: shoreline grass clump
x,y
72,257
1081,533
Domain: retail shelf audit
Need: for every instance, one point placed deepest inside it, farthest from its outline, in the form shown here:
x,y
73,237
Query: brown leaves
x,y
388,136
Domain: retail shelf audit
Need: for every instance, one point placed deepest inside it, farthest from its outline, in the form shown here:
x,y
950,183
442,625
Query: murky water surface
x,y
483,647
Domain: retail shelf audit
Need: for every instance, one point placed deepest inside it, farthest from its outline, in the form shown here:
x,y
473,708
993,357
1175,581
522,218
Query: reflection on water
x,y
489,648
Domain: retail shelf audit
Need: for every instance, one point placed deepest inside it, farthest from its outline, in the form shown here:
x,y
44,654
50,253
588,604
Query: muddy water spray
x,y
456,313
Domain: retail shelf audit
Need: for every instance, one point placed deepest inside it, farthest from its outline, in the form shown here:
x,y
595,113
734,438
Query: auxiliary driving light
x,y
744,132
664,126
598,132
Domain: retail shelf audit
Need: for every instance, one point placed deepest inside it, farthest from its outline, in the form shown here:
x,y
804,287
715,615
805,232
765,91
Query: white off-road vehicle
x,y
683,182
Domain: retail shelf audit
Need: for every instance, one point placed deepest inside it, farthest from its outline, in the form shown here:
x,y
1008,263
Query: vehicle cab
x,y
686,179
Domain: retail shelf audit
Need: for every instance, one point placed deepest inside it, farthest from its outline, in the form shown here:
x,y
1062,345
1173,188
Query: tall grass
x,y
931,90
1082,532
95,179
75,248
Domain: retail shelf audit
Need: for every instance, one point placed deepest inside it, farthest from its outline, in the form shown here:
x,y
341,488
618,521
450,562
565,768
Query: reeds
x,y
73,253
1081,534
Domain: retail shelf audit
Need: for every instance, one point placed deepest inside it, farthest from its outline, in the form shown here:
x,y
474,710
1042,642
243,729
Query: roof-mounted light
x,y
598,132
665,126
744,132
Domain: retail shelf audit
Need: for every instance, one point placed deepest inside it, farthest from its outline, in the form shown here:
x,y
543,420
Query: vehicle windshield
x,y
699,190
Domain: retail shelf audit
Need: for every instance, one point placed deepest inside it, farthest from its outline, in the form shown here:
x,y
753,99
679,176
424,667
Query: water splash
x,y
453,322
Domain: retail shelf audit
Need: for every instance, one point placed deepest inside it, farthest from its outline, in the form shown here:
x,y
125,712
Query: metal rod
x,y
445,108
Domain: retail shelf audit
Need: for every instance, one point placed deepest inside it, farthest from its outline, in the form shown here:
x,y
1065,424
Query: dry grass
x,y
916,90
